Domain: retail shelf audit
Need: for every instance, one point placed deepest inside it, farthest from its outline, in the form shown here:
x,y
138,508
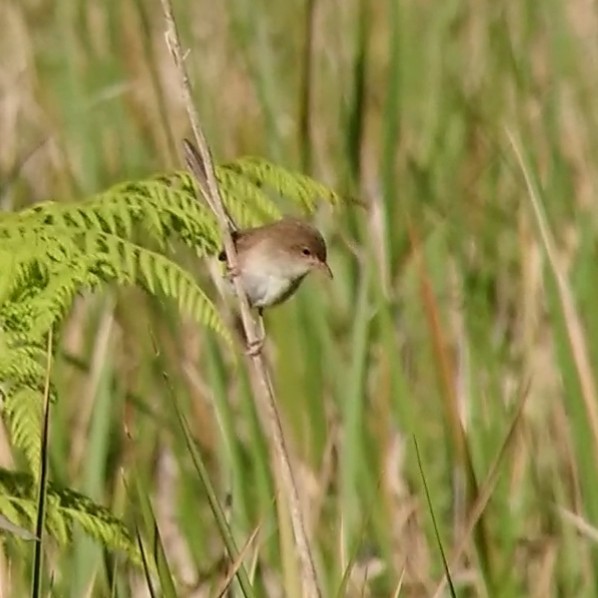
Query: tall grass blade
x,y
436,530
146,568
158,554
37,573
217,508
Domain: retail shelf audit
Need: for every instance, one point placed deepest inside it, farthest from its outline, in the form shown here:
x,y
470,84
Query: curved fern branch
x,y
65,508
293,185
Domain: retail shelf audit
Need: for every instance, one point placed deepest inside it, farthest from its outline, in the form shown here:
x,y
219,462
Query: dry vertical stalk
x,y
575,331
267,405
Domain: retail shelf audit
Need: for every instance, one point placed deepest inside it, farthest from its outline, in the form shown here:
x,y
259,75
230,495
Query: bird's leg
x,y
255,347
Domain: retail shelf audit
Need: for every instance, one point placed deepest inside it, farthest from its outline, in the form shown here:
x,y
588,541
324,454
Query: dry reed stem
x,y
236,565
575,331
486,489
265,397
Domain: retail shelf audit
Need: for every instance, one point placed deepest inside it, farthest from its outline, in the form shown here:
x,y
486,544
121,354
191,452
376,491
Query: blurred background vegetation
x,y
453,318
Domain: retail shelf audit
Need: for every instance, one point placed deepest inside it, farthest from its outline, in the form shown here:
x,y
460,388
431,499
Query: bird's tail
x,y
196,165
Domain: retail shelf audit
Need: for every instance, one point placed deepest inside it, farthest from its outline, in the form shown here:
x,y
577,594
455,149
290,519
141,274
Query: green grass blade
x,y
215,505
434,523
158,555
37,574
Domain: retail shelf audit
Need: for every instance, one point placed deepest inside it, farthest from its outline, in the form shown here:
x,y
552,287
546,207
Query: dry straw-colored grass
x,y
462,310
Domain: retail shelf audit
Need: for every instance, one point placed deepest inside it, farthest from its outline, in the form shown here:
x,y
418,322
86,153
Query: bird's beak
x,y
326,269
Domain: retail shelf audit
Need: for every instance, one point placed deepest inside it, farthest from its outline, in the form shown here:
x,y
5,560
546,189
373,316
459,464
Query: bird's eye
x,y
306,251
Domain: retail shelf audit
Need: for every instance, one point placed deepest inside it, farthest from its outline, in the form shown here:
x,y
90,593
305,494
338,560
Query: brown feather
x,y
288,233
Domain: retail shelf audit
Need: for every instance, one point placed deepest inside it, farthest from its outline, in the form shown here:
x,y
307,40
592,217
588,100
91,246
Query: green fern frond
x,y
52,261
22,375
23,411
245,201
88,259
24,511
95,520
297,187
9,273
21,363
65,507
53,251
7,525
157,210
19,512
56,523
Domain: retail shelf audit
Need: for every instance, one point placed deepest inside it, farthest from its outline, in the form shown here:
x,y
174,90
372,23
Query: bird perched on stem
x,y
273,259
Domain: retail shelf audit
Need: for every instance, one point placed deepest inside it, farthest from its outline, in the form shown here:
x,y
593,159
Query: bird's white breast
x,y
265,289
269,277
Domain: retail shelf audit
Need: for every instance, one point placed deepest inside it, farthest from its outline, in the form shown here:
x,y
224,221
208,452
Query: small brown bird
x,y
273,259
